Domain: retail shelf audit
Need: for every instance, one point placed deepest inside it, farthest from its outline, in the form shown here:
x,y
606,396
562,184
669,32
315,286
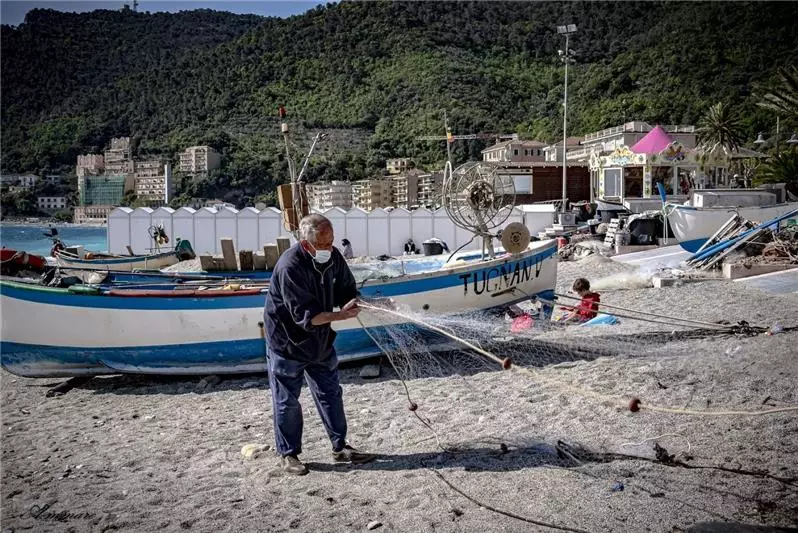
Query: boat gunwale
x,y
533,251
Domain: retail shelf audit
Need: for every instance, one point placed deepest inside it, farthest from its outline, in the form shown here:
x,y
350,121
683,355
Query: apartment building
x,y
51,203
430,186
118,158
153,181
99,195
398,165
197,161
404,189
328,194
514,151
90,165
371,194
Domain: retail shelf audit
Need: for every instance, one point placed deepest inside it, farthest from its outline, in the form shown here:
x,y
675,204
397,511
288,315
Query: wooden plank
x,y
219,264
206,262
283,244
245,259
229,253
271,254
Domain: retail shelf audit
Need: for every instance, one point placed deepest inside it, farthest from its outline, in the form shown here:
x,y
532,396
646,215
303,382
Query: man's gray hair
x,y
310,225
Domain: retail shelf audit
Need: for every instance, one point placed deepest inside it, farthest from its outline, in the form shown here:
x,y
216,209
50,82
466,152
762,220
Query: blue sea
x,y
30,238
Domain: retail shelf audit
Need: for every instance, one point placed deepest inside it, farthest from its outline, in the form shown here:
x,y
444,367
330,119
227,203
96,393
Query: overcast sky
x,y
13,11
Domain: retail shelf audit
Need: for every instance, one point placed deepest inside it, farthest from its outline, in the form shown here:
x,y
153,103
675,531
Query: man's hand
x,y
350,310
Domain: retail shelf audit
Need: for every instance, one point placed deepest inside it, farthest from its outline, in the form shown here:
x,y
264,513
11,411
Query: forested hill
x,y
384,70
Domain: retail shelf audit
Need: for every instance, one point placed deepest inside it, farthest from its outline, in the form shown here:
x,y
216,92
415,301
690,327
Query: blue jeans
x,y
285,380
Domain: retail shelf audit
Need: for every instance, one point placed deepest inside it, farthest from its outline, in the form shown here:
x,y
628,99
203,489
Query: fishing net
x,y
583,411
540,351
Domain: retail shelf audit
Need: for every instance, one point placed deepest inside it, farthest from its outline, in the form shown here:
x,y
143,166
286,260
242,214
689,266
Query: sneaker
x,y
292,465
351,455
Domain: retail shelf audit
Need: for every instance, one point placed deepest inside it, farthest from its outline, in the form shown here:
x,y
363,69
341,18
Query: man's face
x,y
324,240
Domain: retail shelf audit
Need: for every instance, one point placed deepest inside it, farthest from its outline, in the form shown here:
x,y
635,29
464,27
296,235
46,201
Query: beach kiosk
x,y
628,176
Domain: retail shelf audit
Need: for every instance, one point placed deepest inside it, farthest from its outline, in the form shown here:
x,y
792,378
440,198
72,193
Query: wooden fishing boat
x,y
117,262
85,330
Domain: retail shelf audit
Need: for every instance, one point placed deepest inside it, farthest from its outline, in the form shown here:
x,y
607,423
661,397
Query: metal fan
x,y
478,198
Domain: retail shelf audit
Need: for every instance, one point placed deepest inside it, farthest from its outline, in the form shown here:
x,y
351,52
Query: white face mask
x,y
322,256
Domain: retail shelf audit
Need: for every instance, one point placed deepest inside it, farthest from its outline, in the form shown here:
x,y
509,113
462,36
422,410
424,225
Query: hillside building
x,y
118,158
398,165
22,181
430,187
404,189
371,194
325,195
153,182
515,151
197,161
51,204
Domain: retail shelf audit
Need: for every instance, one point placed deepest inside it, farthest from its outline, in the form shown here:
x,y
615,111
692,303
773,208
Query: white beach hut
x,y
379,232
140,222
163,217
357,231
183,224
247,230
270,222
400,228
227,226
205,241
118,233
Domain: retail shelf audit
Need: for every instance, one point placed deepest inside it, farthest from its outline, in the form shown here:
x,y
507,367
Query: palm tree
x,y
781,169
719,129
782,97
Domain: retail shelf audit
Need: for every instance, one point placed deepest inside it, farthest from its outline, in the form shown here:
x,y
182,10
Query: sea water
x,y
32,239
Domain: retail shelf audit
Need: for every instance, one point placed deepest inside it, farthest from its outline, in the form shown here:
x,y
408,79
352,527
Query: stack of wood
x,y
245,259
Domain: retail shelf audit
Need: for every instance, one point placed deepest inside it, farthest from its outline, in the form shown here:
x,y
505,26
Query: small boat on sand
x,y
83,330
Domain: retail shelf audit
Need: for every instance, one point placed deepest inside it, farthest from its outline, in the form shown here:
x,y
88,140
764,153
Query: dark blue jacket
x,y
300,289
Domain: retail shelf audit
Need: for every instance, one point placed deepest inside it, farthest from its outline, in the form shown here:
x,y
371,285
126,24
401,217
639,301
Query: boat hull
x,y
693,226
121,264
78,334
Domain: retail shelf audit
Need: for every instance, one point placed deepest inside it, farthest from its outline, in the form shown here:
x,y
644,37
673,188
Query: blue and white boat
x,y
56,332
693,226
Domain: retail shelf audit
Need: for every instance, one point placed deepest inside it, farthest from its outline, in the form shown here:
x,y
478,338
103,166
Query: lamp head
x,y
760,139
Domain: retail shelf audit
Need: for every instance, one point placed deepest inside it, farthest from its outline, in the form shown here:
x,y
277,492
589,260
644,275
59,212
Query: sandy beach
x,y
509,452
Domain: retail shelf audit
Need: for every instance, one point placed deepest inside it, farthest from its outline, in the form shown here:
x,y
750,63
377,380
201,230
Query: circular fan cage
x,y
477,198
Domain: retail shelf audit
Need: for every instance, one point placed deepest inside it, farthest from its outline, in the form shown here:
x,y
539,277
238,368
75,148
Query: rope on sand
x,y
634,404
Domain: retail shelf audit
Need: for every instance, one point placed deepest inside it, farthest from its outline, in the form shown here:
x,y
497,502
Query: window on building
x,y
515,151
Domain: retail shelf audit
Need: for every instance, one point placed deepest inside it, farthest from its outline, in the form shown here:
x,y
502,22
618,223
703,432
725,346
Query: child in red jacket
x,y
589,305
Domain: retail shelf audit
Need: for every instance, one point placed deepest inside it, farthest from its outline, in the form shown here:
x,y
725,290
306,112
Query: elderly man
x,y
310,279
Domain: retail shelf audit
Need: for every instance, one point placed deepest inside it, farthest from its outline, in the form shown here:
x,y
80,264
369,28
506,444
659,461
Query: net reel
x,y
478,199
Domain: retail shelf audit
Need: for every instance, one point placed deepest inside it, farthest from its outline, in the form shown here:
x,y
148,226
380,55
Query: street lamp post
x,y
566,56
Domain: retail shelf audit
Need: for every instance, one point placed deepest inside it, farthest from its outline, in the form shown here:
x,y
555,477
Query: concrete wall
x,y
371,233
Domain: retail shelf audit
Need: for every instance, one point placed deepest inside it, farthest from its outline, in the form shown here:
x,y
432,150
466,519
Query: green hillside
x,y
379,74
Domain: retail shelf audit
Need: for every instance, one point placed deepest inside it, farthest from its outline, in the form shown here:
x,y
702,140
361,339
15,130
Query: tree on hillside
x,y
719,129
781,169
782,97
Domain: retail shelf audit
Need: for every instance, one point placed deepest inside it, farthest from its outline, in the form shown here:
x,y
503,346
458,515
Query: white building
x,y
51,203
154,181
515,151
199,160
325,195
